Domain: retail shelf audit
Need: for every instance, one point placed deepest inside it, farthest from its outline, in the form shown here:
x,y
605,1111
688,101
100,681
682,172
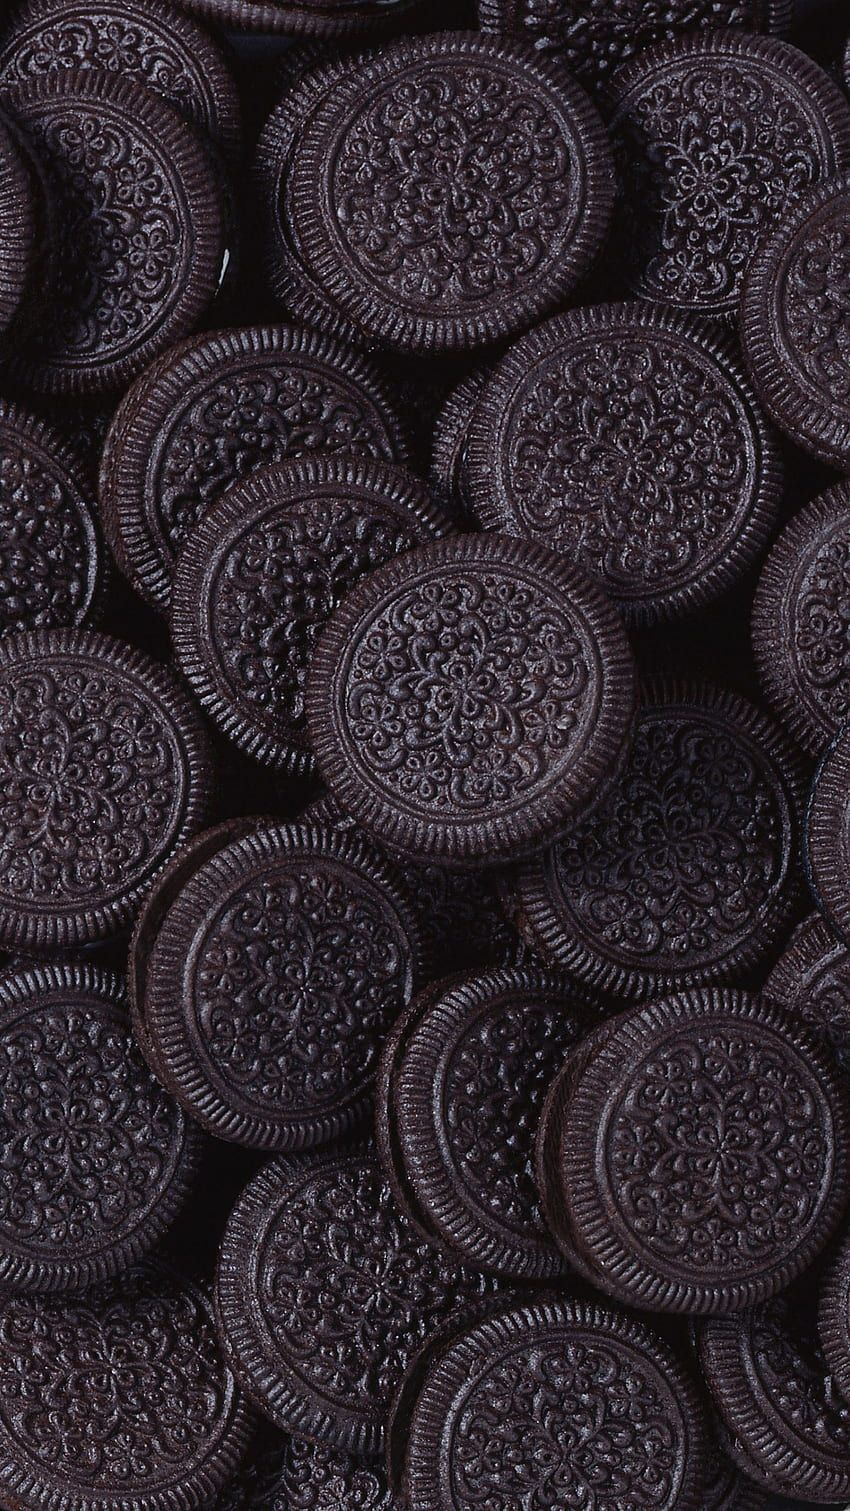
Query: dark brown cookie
x,y
275,974
139,214
716,134
700,1155
316,1477
309,18
447,471
394,219
19,224
143,39
258,1484
811,980
629,438
265,568
834,1316
214,410
470,699
117,1398
792,330
323,1295
96,1159
52,559
565,1400
786,1424
104,772
827,837
688,872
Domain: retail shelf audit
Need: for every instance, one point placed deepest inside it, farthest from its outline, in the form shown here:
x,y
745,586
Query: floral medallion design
x,y
718,1152
821,626
811,297
791,1375
48,547
322,1479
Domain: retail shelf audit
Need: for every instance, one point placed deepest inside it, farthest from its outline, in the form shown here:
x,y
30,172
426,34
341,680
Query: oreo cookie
x,y
470,699
792,332
215,409
104,772
316,1475
811,980
716,134
688,872
307,18
19,224
447,470
827,837
629,438
262,572
666,1198
834,1316
323,1295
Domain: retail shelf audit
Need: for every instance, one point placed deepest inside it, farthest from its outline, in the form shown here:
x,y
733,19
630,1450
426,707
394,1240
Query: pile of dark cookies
x,y
424,755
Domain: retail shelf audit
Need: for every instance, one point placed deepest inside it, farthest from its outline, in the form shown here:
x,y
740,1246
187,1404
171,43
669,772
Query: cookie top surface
x,y
467,1091
794,339
319,1478
308,19
388,193
785,1420
629,438
535,1397
470,697
215,409
339,1293
263,571
827,837
687,871
141,38
138,210
133,1371
801,621
96,1158
811,980
104,771
834,1316
18,226
52,560
702,1153
716,133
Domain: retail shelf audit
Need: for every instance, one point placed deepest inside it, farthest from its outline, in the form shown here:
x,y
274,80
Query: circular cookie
x,y
139,214
323,1295
398,223
628,437
52,560
687,873
261,573
562,1398
792,331
786,1425
215,409
117,1398
700,1156
470,699
447,471
801,621
467,1088
104,771
827,837
333,18
834,1316
19,225
141,39
317,1476
811,980
96,1159
274,976
716,134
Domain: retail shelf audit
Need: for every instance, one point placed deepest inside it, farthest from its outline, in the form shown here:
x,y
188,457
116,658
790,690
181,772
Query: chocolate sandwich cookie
x,y
793,334
801,621
827,837
470,699
258,1484
786,1424
629,438
317,1476
96,1159
265,568
811,980
391,216
688,871
716,133
466,1092
117,1398
834,1316
52,560
19,224
447,471
557,1396
139,212
142,39
104,772
213,410
309,18
699,1158
274,976
323,1295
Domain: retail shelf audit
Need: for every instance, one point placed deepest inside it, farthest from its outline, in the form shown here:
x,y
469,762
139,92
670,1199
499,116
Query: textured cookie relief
x,y
319,1478
812,980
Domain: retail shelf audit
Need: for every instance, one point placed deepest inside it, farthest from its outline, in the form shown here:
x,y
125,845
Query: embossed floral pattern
x,y
88,783
821,628
322,1479
596,38
812,296
454,186
575,1422
46,544
116,1391
469,691
792,1373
